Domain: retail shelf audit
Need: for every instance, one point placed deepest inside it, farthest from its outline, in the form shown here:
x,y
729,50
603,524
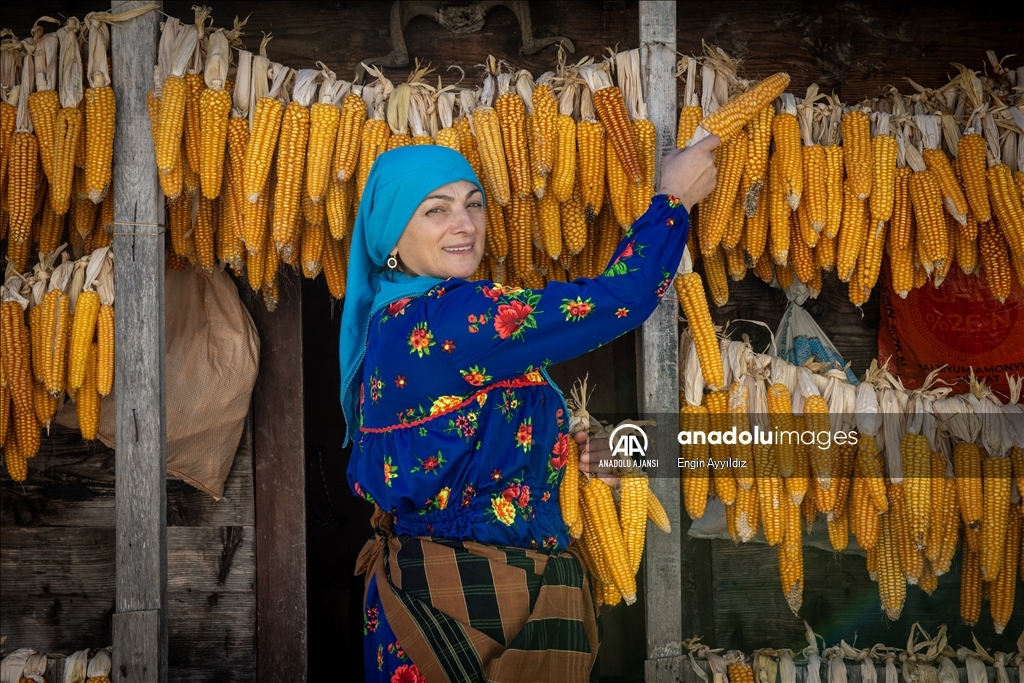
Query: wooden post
x,y
140,611
657,360
280,480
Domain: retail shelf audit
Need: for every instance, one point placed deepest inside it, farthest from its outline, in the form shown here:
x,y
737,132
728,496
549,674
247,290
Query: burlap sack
x,y
212,360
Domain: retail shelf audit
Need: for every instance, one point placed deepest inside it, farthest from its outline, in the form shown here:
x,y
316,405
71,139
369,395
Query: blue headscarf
x,y
398,183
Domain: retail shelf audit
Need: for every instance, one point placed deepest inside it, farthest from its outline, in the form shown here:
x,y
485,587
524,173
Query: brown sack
x,y
212,360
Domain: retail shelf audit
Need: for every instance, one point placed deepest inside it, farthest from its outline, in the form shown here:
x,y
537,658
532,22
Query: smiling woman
x,y
445,236
461,438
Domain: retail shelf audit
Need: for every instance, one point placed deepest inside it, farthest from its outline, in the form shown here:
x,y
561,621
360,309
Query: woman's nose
x,y
462,222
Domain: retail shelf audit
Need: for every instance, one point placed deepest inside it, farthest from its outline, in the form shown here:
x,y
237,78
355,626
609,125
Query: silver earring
x,y
392,262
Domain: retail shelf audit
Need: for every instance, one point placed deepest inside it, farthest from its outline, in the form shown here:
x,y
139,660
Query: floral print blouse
x,y
462,433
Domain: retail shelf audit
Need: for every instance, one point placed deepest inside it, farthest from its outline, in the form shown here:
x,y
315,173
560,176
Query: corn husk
x,y
75,667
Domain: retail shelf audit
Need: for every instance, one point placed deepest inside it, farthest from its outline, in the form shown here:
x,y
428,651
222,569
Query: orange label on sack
x,y
958,325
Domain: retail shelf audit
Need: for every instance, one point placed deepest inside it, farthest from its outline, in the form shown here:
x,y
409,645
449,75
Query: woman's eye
x,y
475,205
435,211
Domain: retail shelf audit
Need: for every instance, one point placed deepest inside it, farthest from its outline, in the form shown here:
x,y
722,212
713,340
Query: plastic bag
x,y
212,359
799,338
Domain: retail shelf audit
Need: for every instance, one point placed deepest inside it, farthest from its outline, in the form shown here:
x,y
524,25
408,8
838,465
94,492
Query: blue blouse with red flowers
x,y
462,433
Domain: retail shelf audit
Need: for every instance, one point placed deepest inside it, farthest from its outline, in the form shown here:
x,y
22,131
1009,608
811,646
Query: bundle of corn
x,y
611,541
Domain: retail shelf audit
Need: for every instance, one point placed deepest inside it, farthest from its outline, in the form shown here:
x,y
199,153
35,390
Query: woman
x,y
460,436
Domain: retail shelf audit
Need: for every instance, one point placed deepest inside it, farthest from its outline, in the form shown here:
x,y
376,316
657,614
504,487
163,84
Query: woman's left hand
x,y
592,452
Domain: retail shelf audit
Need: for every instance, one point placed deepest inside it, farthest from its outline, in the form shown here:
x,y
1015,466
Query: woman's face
x,y
445,236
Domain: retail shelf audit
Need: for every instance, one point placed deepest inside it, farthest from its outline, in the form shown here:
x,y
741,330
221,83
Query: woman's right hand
x,y
690,174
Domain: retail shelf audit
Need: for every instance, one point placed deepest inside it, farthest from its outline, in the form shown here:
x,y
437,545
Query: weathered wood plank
x,y
658,351
839,601
71,483
280,481
140,624
62,599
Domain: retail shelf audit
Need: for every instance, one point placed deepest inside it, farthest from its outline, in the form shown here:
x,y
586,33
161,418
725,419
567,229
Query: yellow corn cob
x,y
718,416
1007,206
996,487
618,189
8,119
238,143
791,559
995,261
43,106
511,113
815,170
864,518
291,163
798,484
951,526
966,247
339,205
21,184
574,224
611,112
786,133
266,124
519,221
656,513
917,486
801,259
597,557
335,267
1018,180
1017,462
911,559
597,498
398,140
778,214
952,195
740,673
870,470
755,171
730,118
202,234
718,281
731,158
492,153
544,135
769,492
900,226
971,158
563,176
858,153
689,119
80,152
736,264
851,235
780,407
35,329
87,400
695,478
929,580
179,222
936,515
105,350
214,110
590,141
315,213
449,137
550,225
194,86
834,167
352,126
633,517
646,148
171,123
17,356
5,408
871,255
313,237
824,461
86,312
926,198
747,513
26,433
1005,585
901,263
883,155
970,587
568,489
871,558
825,253
755,231
67,129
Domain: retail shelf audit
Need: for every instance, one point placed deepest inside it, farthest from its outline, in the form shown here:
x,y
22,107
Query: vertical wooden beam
x,y
280,479
657,358
140,612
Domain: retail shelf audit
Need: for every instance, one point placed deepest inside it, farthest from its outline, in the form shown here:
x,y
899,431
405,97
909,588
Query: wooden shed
x,y
259,586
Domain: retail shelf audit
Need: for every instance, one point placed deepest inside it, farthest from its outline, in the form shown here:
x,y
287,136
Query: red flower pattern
x,y
510,318
408,673
397,307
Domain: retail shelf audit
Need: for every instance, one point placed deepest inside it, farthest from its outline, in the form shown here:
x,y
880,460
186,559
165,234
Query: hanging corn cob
x,y
590,150
291,164
44,102
564,173
23,161
215,110
68,121
324,116
10,57
174,92
264,121
691,113
611,112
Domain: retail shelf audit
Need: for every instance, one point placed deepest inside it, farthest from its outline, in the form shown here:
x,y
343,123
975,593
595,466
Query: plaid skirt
x,y
442,610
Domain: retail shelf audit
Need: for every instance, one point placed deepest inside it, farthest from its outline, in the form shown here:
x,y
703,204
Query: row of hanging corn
x,y
933,178
926,472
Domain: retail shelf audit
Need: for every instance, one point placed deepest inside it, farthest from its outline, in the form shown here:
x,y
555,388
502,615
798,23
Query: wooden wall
x,y
853,47
57,561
